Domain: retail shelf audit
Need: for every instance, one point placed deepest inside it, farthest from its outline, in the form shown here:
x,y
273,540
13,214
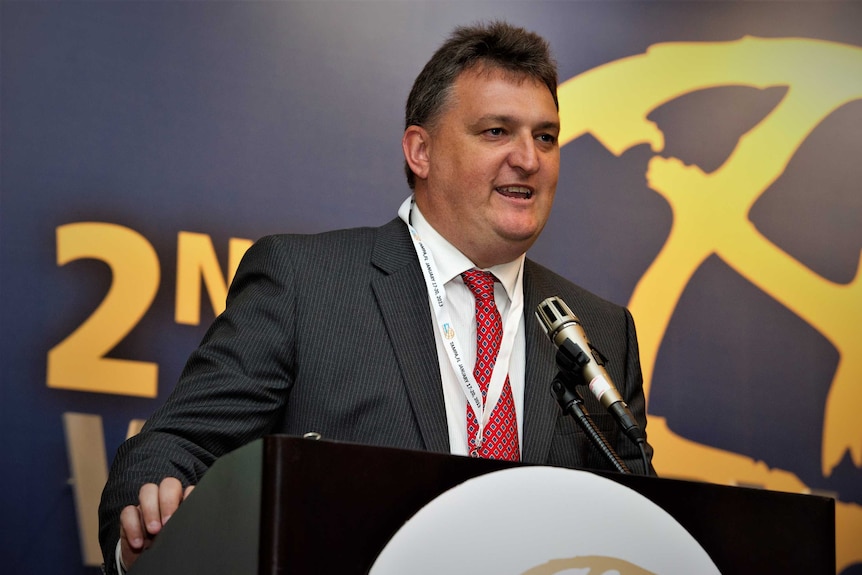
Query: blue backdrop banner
x,y
710,181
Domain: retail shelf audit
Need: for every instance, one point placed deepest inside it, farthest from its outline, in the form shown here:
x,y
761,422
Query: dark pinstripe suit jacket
x,y
332,333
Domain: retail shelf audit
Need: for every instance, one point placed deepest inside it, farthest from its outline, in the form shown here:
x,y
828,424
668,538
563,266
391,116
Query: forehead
x,y
491,90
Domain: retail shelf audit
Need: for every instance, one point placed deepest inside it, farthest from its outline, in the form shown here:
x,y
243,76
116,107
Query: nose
x,y
524,156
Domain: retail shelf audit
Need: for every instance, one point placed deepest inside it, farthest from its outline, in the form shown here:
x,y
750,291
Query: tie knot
x,y
480,283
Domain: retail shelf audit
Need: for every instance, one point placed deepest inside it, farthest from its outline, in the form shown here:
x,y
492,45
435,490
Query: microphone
x,y
575,353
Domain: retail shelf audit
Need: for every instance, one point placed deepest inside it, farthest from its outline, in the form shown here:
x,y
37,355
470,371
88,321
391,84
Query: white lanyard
x,y
464,373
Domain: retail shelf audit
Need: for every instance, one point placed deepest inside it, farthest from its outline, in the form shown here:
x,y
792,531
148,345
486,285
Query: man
x,y
360,334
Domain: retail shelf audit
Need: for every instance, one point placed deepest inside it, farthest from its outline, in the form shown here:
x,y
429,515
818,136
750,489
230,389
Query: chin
x,y
519,242
520,232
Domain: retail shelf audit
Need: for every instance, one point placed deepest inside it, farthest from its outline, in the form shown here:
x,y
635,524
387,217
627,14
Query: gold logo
x,y
594,565
711,217
448,332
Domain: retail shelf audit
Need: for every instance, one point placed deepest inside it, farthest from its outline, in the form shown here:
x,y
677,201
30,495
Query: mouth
x,y
515,192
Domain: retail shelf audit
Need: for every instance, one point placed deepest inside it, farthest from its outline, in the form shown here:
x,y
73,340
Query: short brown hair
x,y
496,45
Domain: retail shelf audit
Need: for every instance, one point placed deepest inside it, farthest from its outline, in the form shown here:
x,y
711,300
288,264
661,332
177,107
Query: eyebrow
x,y
505,119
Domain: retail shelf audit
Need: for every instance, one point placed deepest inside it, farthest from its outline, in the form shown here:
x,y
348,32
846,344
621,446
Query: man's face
x,y
493,160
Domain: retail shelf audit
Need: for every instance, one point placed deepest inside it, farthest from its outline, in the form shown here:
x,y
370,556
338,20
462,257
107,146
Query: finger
x,y
129,554
170,497
133,538
148,499
131,529
187,491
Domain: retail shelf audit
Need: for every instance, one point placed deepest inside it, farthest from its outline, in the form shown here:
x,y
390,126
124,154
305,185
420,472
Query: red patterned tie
x,y
500,437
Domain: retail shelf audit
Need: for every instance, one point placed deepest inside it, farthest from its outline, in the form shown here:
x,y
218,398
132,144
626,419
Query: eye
x,y
547,138
495,132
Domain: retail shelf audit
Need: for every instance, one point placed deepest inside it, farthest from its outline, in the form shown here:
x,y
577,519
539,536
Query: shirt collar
x,y
451,262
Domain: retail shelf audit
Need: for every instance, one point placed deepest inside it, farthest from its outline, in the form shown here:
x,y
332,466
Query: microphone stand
x,y
564,390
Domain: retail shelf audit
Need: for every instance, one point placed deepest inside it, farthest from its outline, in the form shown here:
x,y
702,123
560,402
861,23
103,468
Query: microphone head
x,y
554,315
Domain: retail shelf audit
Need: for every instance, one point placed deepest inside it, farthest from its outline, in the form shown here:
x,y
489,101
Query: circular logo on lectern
x,y
542,521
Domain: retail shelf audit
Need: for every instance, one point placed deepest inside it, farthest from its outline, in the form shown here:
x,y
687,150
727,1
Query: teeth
x,y
516,190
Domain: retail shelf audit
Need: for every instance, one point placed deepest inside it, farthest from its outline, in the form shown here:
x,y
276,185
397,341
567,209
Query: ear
x,y
415,144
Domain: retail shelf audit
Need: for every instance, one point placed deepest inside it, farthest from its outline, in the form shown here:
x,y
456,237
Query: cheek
x,y
459,168
474,177
552,167
468,173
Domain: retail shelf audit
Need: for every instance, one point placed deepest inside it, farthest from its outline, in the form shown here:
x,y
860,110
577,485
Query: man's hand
x,y
140,523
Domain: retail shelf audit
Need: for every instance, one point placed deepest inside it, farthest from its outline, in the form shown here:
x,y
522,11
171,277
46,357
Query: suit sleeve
x,y
233,389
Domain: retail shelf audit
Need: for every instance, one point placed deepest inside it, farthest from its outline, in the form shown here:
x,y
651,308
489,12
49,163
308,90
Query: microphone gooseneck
x,y
576,355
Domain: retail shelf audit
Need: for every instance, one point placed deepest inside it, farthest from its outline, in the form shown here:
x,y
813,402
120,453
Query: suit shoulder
x,y
320,239
332,244
343,251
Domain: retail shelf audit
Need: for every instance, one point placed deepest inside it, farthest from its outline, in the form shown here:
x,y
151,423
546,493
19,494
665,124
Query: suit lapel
x,y
540,409
403,303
